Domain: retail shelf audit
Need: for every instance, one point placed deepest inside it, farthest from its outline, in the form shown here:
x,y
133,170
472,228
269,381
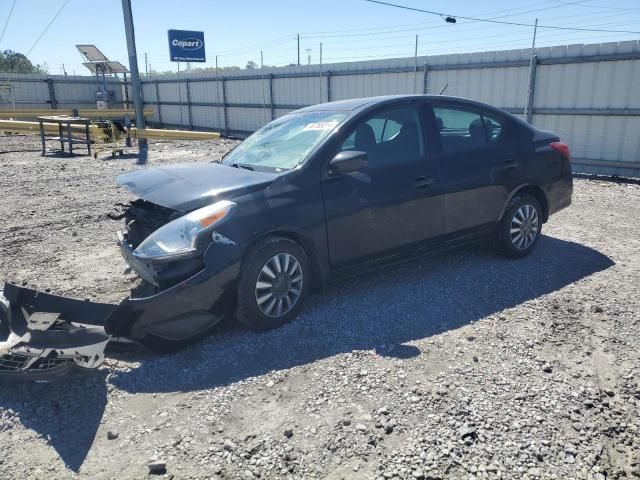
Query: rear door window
x,y
461,130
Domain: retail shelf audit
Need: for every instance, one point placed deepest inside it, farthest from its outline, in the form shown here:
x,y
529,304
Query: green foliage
x,y
14,62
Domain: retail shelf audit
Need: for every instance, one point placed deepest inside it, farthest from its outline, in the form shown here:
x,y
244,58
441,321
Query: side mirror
x,y
348,161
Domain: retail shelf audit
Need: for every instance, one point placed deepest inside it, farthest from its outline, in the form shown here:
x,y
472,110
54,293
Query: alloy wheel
x,y
279,285
524,227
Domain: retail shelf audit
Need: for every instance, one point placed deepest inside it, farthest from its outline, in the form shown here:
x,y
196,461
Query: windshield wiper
x,y
242,165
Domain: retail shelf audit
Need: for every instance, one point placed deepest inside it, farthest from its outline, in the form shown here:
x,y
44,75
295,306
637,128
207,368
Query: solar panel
x,y
106,67
117,67
92,53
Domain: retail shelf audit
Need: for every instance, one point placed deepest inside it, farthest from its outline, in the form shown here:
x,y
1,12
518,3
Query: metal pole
x,y
264,101
298,49
320,72
126,92
136,86
529,101
180,95
146,65
425,79
415,67
52,93
271,104
217,95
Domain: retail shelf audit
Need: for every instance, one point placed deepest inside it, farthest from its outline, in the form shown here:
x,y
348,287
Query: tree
x,y
14,62
251,65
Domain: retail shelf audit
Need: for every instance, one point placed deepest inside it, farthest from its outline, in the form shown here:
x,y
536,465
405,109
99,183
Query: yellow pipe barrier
x,y
19,126
152,133
83,112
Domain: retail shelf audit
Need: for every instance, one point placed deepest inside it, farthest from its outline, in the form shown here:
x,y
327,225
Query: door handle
x,y
423,182
508,164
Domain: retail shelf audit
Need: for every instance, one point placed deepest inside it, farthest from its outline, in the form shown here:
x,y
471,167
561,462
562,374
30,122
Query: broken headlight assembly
x,y
180,237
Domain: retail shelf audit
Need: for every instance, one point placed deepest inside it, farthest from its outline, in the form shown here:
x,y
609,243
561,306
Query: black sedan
x,y
320,193
328,189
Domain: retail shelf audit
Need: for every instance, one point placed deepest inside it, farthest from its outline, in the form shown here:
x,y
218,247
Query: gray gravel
x,y
460,365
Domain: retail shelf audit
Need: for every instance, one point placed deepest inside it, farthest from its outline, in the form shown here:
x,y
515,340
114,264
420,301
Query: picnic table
x,y
65,127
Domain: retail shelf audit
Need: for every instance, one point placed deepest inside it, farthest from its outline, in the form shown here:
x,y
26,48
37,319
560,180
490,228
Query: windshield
x,y
285,142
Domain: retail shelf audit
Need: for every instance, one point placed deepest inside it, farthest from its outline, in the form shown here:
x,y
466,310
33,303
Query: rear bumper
x,y
559,195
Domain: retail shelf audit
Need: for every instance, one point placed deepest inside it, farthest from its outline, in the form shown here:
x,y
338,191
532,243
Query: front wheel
x,y
520,227
273,284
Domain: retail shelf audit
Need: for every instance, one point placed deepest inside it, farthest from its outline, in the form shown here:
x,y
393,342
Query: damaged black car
x,y
317,194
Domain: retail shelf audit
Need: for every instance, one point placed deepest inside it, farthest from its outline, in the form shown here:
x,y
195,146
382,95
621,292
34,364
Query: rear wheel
x,y
520,227
274,281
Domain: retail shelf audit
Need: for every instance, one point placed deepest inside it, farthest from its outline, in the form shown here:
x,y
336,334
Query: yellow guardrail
x,y
174,134
83,112
25,127
21,126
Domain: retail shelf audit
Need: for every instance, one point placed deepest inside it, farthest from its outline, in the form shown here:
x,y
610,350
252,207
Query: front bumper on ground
x,y
42,344
44,335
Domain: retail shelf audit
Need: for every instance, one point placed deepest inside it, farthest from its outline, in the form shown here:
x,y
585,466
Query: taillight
x,y
561,147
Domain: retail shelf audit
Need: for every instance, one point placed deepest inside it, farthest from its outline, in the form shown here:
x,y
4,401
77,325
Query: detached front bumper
x,y
41,344
43,336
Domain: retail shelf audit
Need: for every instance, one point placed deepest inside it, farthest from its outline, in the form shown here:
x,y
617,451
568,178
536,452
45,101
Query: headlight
x,y
179,237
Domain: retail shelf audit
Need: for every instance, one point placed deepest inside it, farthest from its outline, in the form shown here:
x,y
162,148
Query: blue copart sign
x,y
186,46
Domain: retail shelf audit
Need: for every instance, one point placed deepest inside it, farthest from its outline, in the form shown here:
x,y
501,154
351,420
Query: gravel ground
x,y
460,365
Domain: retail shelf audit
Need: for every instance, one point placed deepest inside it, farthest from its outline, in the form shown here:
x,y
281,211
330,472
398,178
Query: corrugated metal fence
x,y
55,91
589,94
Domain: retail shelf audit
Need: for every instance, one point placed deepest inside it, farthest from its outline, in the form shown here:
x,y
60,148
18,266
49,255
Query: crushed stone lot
x,y
459,365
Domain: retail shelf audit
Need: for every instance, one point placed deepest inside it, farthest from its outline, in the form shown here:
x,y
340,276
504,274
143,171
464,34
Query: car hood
x,y
185,187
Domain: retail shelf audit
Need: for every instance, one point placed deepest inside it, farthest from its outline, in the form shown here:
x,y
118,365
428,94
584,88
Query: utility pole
x,y
298,49
308,56
146,65
136,86
528,106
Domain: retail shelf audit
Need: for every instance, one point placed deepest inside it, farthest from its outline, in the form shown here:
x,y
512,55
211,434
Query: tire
x,y
263,307
525,209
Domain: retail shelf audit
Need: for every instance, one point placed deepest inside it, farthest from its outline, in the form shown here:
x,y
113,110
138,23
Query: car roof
x,y
354,104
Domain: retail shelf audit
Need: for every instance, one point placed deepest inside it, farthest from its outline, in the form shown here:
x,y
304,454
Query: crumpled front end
x,y
39,343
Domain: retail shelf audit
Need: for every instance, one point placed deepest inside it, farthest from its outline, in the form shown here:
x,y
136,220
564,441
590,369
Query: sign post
x,y
186,46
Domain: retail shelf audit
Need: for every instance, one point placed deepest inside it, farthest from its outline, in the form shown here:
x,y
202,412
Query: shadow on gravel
x,y
391,306
66,414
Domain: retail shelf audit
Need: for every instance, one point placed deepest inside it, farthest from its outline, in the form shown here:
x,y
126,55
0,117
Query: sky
x,y
237,31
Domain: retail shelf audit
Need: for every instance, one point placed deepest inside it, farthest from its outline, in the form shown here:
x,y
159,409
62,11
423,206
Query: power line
x,y
374,30
433,26
502,22
47,27
464,35
4,29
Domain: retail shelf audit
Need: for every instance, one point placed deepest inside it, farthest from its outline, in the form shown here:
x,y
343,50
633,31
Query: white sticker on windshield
x,y
321,126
